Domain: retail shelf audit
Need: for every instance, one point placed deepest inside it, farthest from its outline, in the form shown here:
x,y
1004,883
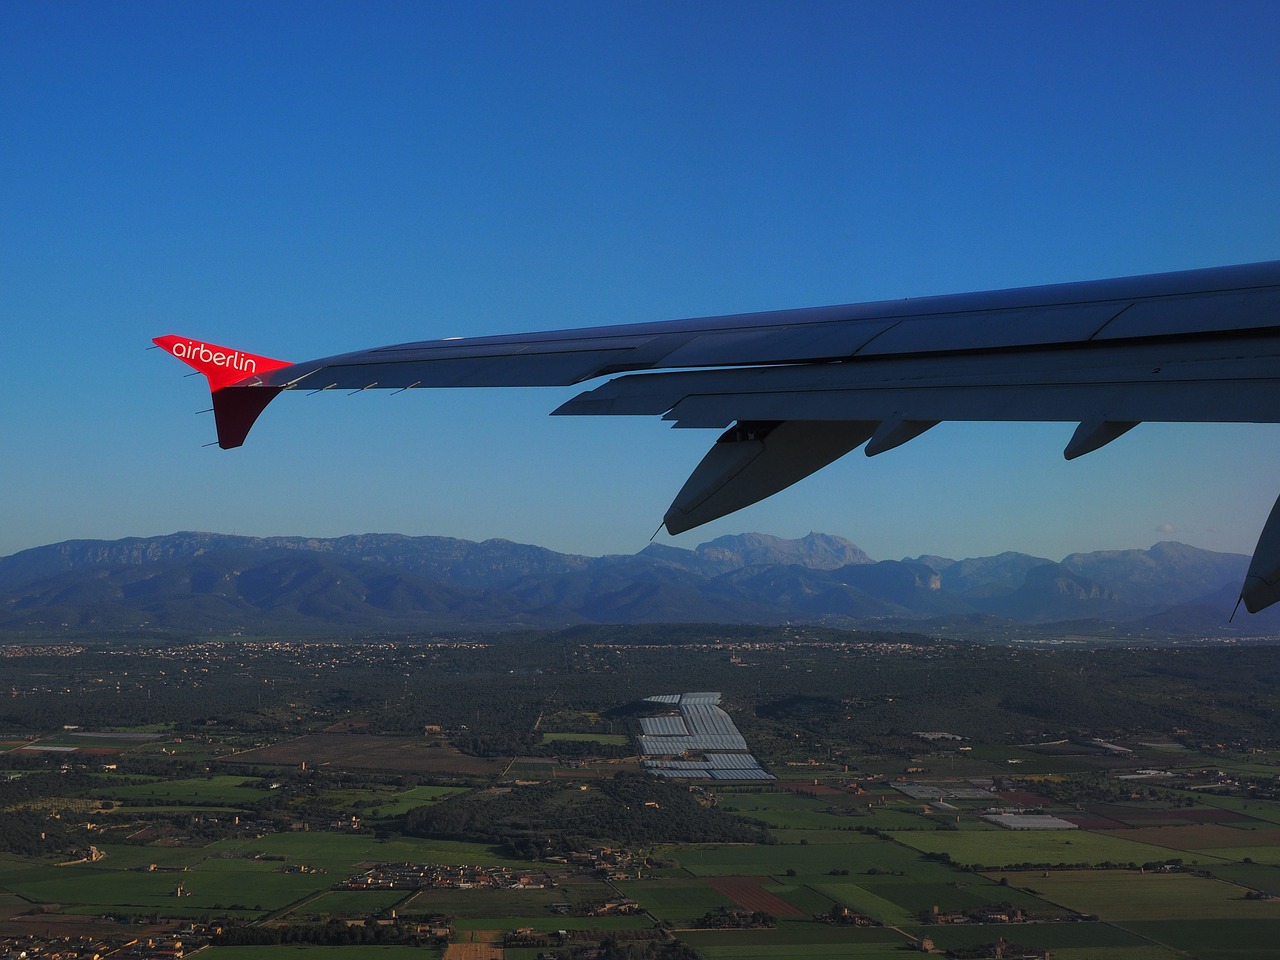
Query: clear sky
x,y
301,179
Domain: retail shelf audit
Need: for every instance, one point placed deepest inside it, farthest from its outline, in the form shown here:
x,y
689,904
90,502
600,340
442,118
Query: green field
x,y
1145,952
795,811
828,811
1256,876
384,803
123,856
98,742
949,892
1125,895
897,817
350,903
857,854
1207,940
679,901
997,849
1267,855
150,809
793,938
14,871
802,951
1054,936
225,876
861,900
483,902
400,803
796,837
214,790
241,885
1267,810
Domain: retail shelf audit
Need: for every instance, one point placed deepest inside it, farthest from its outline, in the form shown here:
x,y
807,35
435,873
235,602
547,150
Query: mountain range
x,y
215,584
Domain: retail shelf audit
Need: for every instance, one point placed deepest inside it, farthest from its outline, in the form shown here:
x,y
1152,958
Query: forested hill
x,y
215,584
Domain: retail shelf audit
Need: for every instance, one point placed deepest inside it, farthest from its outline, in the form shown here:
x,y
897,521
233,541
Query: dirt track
x,y
472,951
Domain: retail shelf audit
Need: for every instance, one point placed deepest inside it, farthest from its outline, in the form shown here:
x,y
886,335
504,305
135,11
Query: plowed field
x,y
747,892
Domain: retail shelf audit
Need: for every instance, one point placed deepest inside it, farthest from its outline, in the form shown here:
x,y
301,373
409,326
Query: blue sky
x,y
300,179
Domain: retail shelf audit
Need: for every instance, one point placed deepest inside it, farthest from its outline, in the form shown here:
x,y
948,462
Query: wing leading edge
x,y
794,390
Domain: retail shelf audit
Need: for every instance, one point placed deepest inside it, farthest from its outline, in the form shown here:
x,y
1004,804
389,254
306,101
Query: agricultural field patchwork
x,y
252,826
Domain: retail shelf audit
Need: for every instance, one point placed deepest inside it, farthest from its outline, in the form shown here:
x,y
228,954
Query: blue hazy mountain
x,y
208,583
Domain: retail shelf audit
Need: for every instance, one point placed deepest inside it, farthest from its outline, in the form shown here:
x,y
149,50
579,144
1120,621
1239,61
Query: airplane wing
x,y
793,390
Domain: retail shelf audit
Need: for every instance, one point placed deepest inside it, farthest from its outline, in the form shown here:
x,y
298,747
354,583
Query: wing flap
x,y
788,344
994,329
754,460
1190,315
1231,380
1262,582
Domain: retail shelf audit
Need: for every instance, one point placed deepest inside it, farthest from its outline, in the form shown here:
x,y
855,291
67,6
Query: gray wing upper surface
x,y
1064,323
795,389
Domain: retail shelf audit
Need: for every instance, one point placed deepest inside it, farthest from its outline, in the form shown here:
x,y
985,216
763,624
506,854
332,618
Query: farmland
x,y
244,827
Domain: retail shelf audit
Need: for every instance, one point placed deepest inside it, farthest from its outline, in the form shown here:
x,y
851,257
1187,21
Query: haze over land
x,y
189,583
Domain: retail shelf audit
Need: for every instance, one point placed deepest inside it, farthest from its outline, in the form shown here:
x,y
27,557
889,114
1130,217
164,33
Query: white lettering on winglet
x,y
203,353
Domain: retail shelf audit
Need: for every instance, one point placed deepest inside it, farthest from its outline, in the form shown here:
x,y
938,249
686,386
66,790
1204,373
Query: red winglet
x,y
234,411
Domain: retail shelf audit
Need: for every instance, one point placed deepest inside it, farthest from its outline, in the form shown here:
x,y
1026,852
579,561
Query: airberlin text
x,y
203,353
